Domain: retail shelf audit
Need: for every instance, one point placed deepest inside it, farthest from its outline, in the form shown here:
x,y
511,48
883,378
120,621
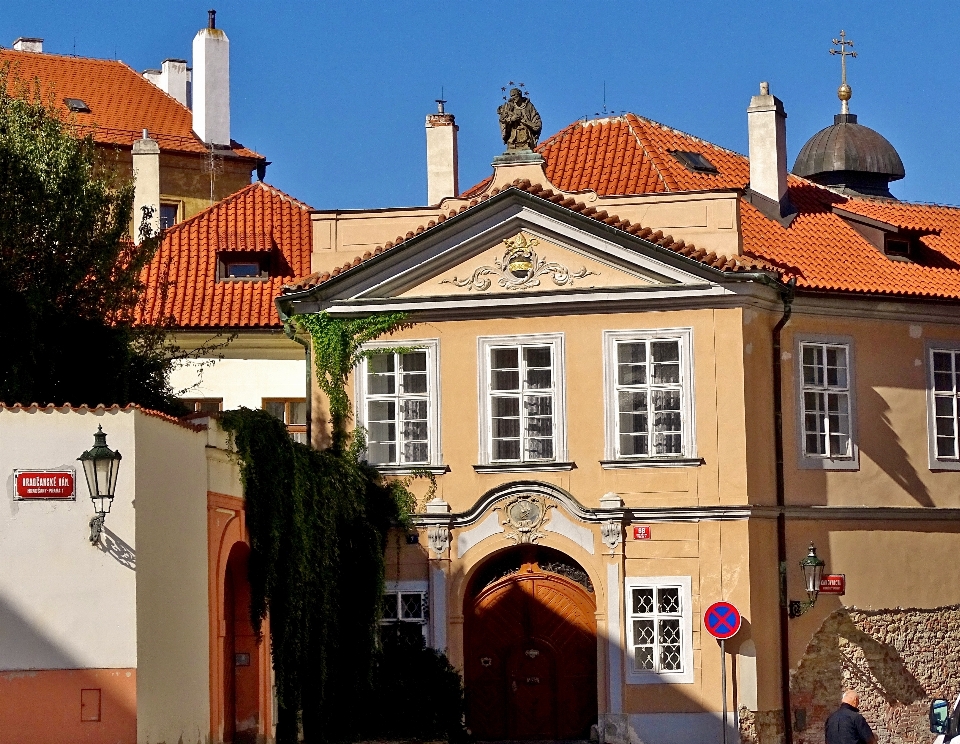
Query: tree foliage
x,y
71,274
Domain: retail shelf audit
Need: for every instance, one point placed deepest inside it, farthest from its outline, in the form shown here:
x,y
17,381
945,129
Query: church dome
x,y
850,158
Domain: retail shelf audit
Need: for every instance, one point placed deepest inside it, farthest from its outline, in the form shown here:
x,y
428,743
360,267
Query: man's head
x,y
850,697
515,94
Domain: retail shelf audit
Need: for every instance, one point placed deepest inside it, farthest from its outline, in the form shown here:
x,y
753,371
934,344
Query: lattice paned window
x,y
946,391
825,376
656,616
406,607
649,393
397,405
523,389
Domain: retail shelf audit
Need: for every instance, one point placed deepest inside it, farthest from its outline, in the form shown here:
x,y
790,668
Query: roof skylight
x,y
694,161
77,105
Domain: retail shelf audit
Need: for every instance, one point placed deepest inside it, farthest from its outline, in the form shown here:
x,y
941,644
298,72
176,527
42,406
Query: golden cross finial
x,y
844,93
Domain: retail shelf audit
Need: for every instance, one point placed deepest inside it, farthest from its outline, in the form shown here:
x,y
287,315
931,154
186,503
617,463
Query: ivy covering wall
x,y
318,524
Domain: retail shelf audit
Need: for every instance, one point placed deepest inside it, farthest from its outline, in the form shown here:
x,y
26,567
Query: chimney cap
x,y
28,44
211,19
440,103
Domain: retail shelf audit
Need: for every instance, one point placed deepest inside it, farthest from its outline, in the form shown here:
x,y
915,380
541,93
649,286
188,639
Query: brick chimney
x,y
767,127
146,185
26,44
443,178
211,84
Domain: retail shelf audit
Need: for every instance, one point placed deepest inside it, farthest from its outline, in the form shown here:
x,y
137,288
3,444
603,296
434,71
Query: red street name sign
x,y
44,484
642,532
833,584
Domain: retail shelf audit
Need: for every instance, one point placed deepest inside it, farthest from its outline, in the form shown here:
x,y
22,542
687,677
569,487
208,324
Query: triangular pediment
x,y
513,249
527,262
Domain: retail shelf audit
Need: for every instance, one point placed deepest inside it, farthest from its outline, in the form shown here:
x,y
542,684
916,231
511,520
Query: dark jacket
x,y
847,726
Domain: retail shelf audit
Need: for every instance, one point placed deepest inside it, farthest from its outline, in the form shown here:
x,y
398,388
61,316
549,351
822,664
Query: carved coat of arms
x,y
523,516
519,268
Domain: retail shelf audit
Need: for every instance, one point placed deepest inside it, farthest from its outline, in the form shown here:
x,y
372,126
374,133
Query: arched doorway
x,y
241,667
530,648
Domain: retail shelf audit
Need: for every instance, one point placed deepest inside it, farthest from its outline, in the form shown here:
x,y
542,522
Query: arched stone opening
x,y
530,647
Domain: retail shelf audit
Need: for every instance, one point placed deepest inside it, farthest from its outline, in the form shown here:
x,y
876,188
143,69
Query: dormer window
x,y
897,246
243,266
694,161
76,105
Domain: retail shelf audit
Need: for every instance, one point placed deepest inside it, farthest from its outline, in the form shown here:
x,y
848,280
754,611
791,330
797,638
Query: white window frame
x,y
936,462
432,349
396,588
688,453
484,345
685,675
850,461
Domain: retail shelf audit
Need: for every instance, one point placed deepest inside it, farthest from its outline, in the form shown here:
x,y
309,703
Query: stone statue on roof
x,y
520,124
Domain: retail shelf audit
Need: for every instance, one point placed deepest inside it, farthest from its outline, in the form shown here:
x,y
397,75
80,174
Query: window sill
x,y
824,463
659,678
524,467
653,462
243,279
411,469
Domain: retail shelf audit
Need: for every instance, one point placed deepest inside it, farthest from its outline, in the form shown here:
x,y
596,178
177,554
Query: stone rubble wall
x,y
897,659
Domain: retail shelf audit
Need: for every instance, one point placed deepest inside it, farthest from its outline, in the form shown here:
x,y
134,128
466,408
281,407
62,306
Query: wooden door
x,y
530,667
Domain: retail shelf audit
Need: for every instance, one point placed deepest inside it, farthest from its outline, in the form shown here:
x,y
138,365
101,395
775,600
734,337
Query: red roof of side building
x,y
632,155
122,102
182,278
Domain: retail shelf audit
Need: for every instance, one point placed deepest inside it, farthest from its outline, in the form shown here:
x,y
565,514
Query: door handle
x,y
533,680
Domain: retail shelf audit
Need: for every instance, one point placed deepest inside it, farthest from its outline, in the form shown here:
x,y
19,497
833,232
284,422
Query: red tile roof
x,y
631,155
182,278
68,408
122,102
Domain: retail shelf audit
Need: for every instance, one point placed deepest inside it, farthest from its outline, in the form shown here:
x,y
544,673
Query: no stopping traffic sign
x,y
722,620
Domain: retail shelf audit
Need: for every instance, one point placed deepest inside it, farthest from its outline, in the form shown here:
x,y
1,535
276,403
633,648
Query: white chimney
x,y
211,84
171,78
25,44
146,185
442,166
767,125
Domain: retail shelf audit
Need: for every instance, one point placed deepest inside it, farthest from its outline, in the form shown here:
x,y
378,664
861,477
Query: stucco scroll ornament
x,y
519,268
523,516
438,537
612,534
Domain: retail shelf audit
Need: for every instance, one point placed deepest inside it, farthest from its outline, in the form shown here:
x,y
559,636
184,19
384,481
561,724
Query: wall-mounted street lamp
x,y
812,568
100,466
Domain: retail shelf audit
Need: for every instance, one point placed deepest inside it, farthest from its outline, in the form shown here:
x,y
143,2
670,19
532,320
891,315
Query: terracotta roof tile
x,y
68,408
122,102
182,281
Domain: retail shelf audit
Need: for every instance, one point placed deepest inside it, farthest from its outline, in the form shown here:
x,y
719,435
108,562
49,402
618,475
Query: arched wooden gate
x,y
530,666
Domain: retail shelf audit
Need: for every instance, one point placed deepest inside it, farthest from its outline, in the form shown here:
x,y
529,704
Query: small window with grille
x,y
405,610
659,645
292,412
944,401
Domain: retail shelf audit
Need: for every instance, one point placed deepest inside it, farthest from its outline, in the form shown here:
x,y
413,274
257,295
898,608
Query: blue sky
x,y
335,93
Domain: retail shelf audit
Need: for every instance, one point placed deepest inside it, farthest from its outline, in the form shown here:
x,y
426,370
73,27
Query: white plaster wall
x,y
65,603
173,673
241,382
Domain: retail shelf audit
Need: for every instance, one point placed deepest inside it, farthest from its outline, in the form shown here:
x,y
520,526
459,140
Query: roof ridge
x,y
691,136
68,57
646,151
228,199
129,407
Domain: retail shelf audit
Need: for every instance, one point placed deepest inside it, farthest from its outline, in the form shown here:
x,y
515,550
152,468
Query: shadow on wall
x,y
116,548
883,445
897,659
46,695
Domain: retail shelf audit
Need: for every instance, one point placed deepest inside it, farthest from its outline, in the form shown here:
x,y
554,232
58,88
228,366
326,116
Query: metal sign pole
x,y
723,686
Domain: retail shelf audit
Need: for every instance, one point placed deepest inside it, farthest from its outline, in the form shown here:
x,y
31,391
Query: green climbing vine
x,y
318,524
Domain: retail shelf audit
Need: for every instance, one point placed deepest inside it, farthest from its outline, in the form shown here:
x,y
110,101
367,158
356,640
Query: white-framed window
x,y
943,405
398,404
649,396
659,629
826,422
522,399
406,607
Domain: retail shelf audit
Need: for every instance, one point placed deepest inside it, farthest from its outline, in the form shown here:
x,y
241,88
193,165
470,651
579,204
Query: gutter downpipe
x,y
786,295
291,333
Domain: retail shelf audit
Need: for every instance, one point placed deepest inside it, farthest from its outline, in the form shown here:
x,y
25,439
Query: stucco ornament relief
x,y
438,537
519,268
611,533
523,516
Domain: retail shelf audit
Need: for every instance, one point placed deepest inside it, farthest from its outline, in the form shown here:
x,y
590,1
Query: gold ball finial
x,y
844,92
